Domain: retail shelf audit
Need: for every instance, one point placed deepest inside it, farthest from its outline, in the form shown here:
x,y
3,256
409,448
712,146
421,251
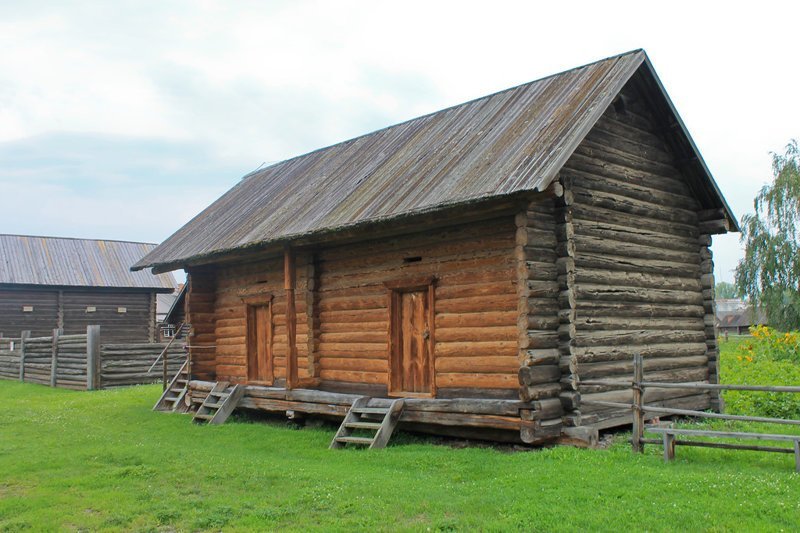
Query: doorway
x,y
259,344
411,365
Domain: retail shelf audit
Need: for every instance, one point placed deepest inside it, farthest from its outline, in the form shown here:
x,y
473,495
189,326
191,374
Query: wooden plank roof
x,y
502,144
66,262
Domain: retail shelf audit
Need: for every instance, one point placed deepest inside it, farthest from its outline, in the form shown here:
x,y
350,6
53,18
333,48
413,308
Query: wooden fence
x,y
83,362
642,411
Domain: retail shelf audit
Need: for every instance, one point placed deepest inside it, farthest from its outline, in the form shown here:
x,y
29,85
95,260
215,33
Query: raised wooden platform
x,y
492,419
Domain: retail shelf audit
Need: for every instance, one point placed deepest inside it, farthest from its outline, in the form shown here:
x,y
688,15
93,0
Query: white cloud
x,y
254,81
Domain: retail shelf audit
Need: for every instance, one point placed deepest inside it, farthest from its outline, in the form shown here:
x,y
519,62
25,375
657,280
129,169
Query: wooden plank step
x,y
370,410
355,440
204,417
213,405
173,398
363,425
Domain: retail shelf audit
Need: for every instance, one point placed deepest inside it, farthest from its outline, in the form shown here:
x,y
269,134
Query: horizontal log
x,y
489,364
625,368
615,353
477,380
473,320
636,337
538,392
549,356
636,295
600,308
536,375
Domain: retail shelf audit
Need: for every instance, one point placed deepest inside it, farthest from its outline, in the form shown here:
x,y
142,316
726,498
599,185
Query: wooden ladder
x,y
362,417
172,398
219,404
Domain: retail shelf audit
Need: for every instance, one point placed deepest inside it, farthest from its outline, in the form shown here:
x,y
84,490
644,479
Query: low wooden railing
x,y
640,410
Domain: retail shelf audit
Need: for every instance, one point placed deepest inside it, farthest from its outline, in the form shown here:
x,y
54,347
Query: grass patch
x,y
103,460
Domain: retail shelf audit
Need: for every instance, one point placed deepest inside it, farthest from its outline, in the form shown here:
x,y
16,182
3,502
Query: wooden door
x,y
411,365
259,344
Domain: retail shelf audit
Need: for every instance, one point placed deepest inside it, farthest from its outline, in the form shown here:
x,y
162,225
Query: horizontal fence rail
x,y
640,411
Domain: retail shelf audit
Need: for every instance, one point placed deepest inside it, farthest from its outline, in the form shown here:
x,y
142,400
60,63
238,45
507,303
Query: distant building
x,y
735,316
175,314
54,282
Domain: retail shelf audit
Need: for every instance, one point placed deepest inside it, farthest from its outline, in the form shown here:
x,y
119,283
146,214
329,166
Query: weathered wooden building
x,y
52,282
478,261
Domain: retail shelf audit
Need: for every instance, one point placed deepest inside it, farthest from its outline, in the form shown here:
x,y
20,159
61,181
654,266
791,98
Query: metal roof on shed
x,y
505,143
57,261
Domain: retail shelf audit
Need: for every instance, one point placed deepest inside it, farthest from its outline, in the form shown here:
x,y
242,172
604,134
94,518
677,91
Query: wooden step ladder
x,y
172,398
360,416
219,404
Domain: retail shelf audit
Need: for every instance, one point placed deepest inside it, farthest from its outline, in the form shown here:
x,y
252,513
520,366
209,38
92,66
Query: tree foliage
x,y
770,271
725,290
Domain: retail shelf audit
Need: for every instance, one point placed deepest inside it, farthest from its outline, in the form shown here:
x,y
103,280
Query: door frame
x,y
251,302
396,288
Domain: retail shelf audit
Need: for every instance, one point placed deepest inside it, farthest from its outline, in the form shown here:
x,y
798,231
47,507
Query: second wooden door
x,y
259,344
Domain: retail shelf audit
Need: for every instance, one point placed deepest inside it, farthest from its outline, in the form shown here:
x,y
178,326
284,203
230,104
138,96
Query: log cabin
x,y
478,262
49,283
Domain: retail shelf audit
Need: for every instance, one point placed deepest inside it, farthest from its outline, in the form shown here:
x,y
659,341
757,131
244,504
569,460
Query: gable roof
x,y
67,262
505,143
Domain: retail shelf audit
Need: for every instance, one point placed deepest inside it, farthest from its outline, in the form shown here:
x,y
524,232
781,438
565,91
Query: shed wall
x,y
341,296
40,322
475,309
67,308
634,239
136,323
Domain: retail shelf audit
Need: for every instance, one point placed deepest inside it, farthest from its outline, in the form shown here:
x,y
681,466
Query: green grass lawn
x,y
103,460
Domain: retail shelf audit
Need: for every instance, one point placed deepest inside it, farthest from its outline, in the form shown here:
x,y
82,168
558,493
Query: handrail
x,y
165,348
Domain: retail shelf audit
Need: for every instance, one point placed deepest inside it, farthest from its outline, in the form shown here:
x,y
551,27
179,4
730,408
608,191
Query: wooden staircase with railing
x,y
175,392
219,404
362,417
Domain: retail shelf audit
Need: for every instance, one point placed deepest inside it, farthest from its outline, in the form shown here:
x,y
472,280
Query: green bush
x,y
766,358
766,342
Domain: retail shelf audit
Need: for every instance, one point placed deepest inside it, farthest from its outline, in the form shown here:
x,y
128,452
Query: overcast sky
x,y
122,120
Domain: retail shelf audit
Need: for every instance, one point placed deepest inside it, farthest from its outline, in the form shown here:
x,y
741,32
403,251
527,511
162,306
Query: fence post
x,y
23,337
54,359
92,357
638,412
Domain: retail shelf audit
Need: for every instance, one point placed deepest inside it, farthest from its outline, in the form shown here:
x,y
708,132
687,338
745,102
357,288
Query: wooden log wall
x,y
200,313
40,321
120,364
636,246
538,324
67,309
38,360
475,309
134,324
10,353
233,286
129,363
